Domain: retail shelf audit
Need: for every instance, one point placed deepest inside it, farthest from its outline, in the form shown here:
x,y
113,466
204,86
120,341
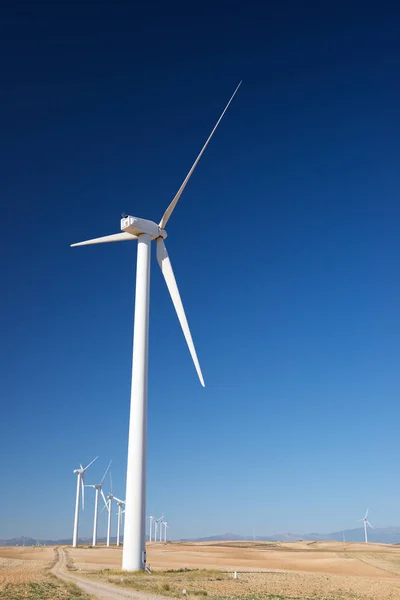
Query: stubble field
x,y
301,570
24,575
266,571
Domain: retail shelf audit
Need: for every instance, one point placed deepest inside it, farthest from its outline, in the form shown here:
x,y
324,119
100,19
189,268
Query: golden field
x,y
312,570
24,575
266,571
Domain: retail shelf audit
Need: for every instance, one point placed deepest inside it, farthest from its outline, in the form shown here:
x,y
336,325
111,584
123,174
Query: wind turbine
x,y
366,522
120,503
109,498
150,527
156,523
79,484
98,488
161,524
165,523
133,228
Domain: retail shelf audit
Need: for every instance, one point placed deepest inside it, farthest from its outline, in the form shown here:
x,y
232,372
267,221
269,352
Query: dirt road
x,y
102,591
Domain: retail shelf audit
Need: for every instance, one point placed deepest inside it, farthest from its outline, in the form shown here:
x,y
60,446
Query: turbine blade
x,y
366,514
109,465
124,236
166,268
171,207
368,523
104,498
90,463
110,482
105,506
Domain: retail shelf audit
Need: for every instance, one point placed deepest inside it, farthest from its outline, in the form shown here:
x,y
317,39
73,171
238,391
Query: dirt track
x,y
101,590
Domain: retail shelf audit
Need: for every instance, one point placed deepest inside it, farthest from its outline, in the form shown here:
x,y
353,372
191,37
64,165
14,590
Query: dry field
x,y
301,570
24,574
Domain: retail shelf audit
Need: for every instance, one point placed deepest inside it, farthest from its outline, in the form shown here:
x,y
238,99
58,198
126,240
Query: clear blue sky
x,y
285,246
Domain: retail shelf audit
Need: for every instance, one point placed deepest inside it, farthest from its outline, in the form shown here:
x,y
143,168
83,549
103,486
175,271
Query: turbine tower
x,y
80,484
120,504
133,228
366,522
109,508
150,527
156,523
165,523
98,488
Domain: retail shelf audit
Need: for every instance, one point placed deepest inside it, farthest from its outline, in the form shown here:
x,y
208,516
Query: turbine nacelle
x,y
137,227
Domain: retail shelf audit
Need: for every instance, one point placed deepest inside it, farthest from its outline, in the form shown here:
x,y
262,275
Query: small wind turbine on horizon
x,y
366,522
98,488
145,231
80,485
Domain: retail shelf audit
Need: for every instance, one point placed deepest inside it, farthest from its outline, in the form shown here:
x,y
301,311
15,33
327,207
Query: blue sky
x,y
285,246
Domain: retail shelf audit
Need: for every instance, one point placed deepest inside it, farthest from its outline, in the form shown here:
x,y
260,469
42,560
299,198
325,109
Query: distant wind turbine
x,y
145,231
165,523
80,484
150,527
120,504
366,522
98,488
156,523
110,499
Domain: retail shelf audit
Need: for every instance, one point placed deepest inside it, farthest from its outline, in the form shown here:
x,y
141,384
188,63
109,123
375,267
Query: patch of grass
x,y
42,590
108,572
192,573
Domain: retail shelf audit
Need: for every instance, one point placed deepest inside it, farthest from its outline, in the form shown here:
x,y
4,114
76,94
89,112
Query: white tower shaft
x,y
119,523
109,522
76,520
134,550
96,507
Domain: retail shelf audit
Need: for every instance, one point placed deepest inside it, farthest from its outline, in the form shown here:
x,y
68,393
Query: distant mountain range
x,y
385,535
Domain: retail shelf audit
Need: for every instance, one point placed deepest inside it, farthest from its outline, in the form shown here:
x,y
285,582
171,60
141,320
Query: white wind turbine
x,y
150,527
98,488
133,228
80,484
109,508
156,523
165,523
120,504
366,522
